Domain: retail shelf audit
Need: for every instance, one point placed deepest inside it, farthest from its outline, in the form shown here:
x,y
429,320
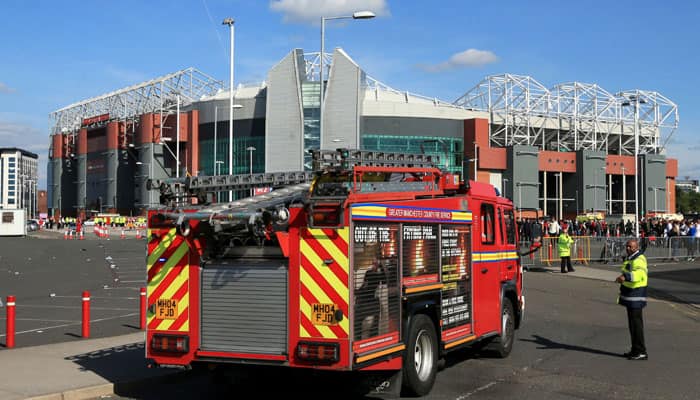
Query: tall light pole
x,y
177,140
505,181
217,171
610,186
355,15
229,21
635,100
556,192
520,200
216,123
476,159
624,193
251,149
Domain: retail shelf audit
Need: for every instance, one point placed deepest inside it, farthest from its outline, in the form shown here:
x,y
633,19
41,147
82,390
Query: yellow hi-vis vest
x,y
564,245
633,291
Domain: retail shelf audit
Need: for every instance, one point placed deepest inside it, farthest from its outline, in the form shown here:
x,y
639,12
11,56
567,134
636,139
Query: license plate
x,y
166,309
323,314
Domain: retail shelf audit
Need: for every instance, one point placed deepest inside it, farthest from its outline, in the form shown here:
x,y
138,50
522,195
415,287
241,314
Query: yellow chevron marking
x,y
329,245
172,261
161,248
303,332
320,295
325,331
340,287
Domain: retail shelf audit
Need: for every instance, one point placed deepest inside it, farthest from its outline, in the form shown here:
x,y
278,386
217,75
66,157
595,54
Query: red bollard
x,y
143,308
86,314
10,342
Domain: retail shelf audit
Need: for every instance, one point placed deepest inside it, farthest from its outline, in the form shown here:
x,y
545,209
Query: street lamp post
x,y
230,22
251,149
520,200
216,123
624,193
476,160
217,171
355,15
505,182
556,192
177,140
635,100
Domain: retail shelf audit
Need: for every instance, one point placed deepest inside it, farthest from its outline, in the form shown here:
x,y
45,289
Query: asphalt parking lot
x,y
48,275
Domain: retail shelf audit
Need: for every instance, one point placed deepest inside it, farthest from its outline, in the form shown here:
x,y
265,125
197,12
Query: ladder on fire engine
x,y
203,187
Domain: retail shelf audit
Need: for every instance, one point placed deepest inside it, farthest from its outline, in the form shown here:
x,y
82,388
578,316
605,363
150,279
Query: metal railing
x,y
611,250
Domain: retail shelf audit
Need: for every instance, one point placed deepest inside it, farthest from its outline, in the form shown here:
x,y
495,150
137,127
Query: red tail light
x,y
318,352
170,343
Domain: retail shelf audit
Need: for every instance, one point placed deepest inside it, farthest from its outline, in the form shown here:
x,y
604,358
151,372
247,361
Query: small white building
x,y
18,180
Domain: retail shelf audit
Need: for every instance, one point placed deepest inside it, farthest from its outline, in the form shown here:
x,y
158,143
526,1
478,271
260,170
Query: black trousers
x,y
566,264
635,322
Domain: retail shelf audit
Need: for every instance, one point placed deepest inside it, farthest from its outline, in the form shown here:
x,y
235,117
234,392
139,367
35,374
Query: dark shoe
x,y
572,270
563,272
627,355
638,357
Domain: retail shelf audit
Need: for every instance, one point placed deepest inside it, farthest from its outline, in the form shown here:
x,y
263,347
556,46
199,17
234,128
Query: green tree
x,y
687,202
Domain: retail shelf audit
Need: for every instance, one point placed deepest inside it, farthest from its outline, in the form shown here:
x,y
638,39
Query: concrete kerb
x,y
108,389
84,393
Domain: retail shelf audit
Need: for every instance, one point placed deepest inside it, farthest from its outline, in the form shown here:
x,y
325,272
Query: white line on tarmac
x,y
45,320
76,323
74,307
479,389
139,281
124,288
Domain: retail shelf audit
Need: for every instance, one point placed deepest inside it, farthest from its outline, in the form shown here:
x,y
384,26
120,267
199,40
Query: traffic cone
x,y
70,235
138,234
65,235
82,237
122,235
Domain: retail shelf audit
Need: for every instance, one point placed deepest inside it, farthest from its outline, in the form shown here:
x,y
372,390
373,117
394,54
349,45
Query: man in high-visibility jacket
x,y
633,295
564,248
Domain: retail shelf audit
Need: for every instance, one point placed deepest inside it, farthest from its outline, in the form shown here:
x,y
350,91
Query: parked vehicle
x,y
377,265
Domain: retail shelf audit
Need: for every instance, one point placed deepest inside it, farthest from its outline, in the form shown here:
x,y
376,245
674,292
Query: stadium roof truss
x,y
571,116
159,95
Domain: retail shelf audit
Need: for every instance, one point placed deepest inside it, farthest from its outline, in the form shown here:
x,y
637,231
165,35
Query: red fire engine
x,y
382,263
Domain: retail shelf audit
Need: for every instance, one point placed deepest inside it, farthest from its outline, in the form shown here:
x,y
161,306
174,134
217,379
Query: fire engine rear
x,y
381,263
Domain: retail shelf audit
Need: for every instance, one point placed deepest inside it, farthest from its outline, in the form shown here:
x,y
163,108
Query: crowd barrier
x,y
611,250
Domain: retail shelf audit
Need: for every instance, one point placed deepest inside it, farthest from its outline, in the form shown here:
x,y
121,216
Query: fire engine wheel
x,y
420,362
503,344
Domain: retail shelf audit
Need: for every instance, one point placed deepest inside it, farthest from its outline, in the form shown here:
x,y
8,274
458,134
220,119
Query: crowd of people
x,y
530,229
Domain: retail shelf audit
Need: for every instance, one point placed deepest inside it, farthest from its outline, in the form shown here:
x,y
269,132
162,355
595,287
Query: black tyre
x,y
420,362
502,344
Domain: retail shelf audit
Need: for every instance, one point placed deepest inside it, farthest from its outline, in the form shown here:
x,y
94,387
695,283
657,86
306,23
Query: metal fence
x,y
612,250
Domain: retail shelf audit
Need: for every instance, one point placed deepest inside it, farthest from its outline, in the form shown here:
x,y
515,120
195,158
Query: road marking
x,y
479,389
78,307
45,320
72,324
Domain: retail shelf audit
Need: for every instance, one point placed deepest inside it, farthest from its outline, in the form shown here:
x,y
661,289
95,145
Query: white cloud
x,y
465,59
6,89
311,11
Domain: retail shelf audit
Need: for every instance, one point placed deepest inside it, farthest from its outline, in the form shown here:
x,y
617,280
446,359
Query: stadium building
x,y
557,151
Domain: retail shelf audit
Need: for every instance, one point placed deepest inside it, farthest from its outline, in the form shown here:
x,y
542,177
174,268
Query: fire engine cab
x,y
382,262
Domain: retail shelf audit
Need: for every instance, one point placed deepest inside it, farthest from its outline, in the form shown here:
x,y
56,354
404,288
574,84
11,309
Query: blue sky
x,y
54,53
